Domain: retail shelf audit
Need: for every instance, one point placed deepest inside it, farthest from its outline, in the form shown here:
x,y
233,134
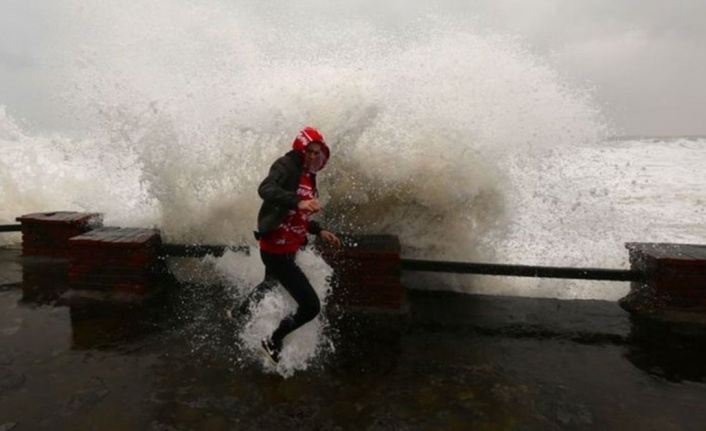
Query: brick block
x,y
675,277
112,259
43,279
366,271
47,234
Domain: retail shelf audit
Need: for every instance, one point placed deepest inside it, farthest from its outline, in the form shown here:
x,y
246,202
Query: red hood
x,y
306,137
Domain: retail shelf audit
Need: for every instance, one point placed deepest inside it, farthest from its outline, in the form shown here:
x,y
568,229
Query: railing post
x,y
675,282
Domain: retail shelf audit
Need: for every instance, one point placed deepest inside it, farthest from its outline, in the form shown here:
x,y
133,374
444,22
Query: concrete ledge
x,y
48,233
115,261
674,289
366,272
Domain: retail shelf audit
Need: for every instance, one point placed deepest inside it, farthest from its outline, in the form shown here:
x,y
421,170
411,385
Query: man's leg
x,y
297,285
255,295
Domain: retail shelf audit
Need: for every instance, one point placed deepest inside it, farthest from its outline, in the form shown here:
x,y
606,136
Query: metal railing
x,y
181,250
177,250
521,270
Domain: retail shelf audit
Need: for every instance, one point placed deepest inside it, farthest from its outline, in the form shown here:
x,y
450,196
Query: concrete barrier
x,y
366,272
114,260
674,286
47,234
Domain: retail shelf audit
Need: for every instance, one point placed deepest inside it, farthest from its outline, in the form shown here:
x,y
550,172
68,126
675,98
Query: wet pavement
x,y
454,362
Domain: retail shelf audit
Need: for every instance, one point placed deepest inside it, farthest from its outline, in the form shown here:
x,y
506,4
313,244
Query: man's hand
x,y
310,205
330,238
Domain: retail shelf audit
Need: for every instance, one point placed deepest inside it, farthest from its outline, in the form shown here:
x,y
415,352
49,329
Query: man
x,y
289,197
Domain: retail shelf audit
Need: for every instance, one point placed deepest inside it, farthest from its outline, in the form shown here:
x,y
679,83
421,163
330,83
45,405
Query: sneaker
x,y
271,350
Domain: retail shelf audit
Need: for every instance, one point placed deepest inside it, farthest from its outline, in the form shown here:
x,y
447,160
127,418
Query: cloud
x,y
12,61
645,58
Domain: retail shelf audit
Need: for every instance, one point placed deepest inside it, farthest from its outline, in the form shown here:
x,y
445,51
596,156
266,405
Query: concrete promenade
x,y
455,362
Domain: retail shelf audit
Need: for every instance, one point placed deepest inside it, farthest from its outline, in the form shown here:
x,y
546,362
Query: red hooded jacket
x,y
286,185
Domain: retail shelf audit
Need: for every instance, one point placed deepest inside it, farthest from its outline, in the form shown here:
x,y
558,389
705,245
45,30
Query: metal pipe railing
x,y
178,250
198,250
521,270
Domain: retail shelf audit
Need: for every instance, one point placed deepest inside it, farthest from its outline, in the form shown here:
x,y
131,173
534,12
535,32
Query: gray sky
x,y
645,58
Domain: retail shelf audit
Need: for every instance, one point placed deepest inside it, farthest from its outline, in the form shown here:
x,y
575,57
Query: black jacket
x,y
279,193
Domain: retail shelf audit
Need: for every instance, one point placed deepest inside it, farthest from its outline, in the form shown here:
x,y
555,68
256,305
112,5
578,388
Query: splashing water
x,y
50,173
243,273
180,107
200,98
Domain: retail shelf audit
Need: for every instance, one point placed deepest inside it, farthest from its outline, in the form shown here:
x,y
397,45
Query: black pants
x,y
282,268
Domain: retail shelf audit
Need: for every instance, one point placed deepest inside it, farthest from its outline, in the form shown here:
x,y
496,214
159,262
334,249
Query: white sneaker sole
x,y
267,356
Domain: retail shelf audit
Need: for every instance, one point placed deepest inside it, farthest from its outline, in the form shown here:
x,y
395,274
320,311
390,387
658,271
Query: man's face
x,y
313,157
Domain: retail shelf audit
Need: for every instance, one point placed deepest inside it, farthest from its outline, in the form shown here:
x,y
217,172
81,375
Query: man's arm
x,y
328,236
272,190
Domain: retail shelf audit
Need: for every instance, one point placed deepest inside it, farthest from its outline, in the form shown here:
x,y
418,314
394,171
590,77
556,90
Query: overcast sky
x,y
645,58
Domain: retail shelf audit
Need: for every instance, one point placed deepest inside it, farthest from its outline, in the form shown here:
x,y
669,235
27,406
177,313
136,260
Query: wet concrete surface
x,y
454,362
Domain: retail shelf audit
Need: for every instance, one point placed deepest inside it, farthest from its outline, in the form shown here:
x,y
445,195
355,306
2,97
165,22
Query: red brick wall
x,y
676,277
366,272
47,234
113,259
